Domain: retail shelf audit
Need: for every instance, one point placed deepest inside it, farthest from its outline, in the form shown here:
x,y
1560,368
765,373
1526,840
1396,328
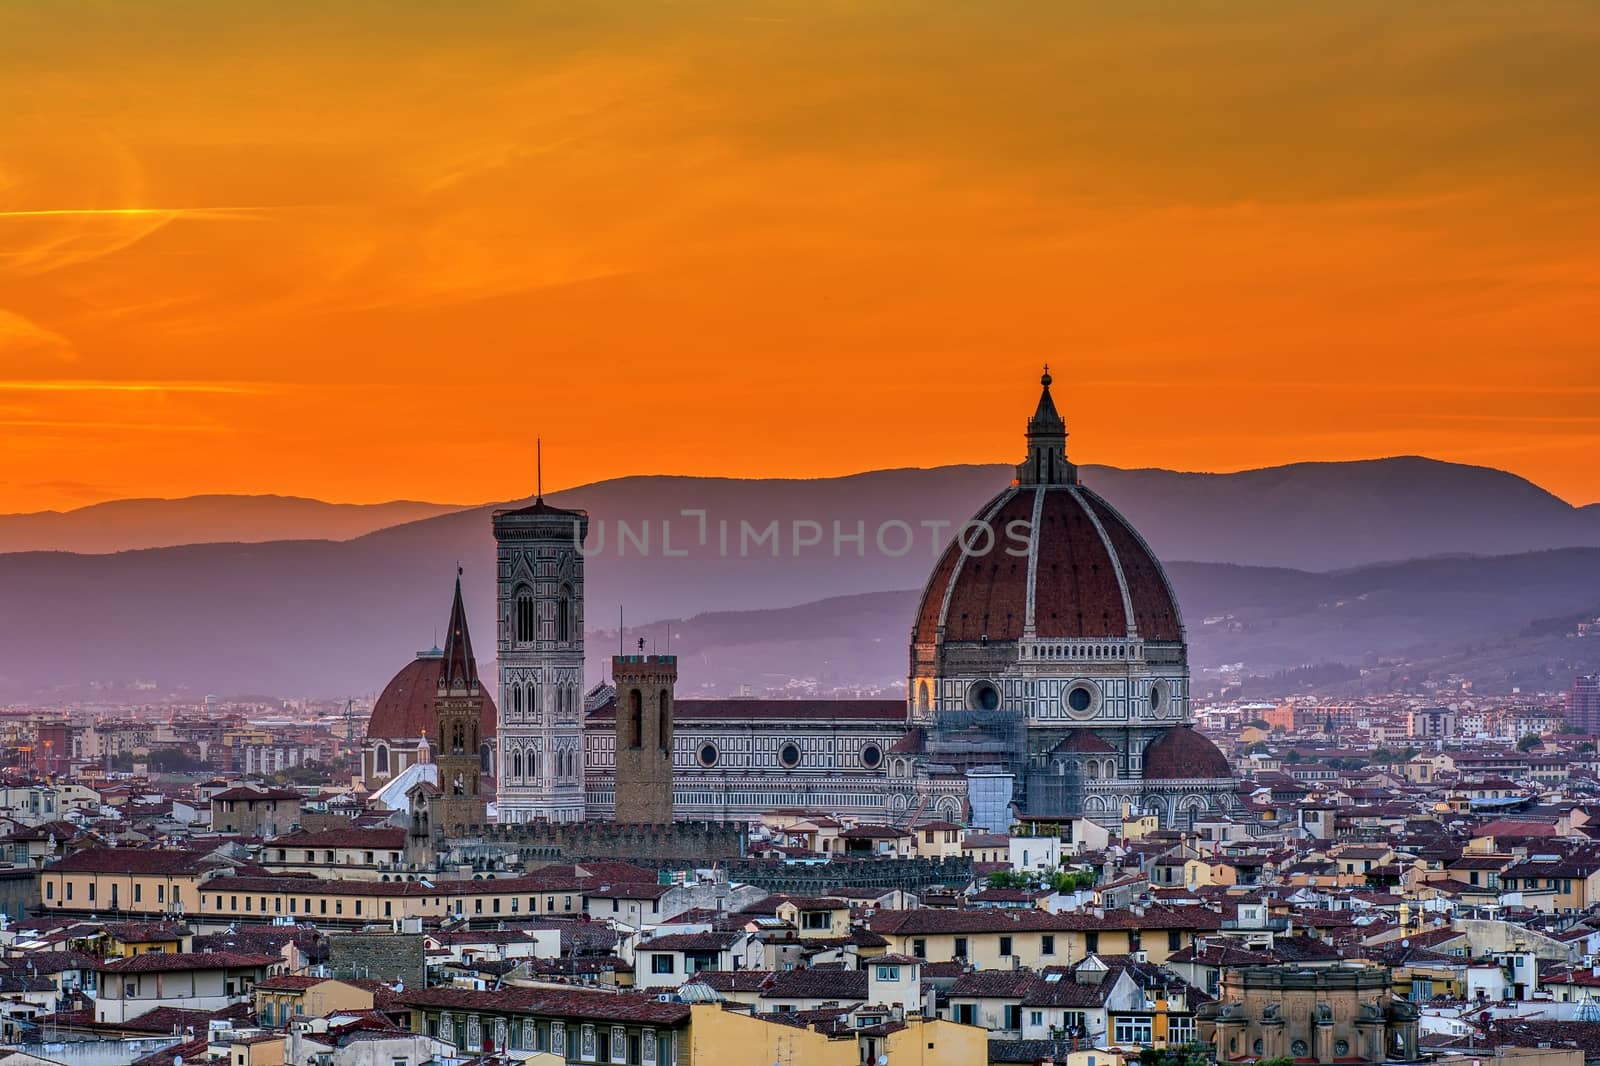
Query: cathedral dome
x,y
406,711
1181,754
1052,561
1047,559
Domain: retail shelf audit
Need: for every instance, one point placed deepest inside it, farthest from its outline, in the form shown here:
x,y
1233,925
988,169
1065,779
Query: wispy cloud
x,y
20,335
242,388
143,212
92,424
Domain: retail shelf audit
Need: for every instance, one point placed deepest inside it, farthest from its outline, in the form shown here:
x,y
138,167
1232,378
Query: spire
x,y
538,470
459,670
1046,463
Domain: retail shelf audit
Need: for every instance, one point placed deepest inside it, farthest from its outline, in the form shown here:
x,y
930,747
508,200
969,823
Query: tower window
x,y
526,622
635,733
564,615
664,721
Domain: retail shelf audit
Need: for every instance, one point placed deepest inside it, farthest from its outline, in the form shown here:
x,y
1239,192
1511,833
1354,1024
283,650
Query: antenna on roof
x,y
538,469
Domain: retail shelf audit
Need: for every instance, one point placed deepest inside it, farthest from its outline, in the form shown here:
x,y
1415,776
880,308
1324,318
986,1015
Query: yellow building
x,y
1563,884
936,840
152,883
281,1000
263,1049
816,917
1033,938
126,939
118,881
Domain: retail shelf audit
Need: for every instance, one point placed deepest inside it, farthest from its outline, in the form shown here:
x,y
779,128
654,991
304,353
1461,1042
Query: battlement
x,y
690,841
646,660
818,879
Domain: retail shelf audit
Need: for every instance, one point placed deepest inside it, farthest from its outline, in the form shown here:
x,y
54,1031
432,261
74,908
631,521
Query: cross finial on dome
x,y
1045,378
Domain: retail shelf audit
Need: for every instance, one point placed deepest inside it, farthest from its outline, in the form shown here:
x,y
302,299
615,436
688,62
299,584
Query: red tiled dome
x,y
405,710
1091,575
1181,754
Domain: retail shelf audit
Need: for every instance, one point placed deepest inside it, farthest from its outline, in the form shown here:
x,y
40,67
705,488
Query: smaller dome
x,y
1181,754
1083,742
405,710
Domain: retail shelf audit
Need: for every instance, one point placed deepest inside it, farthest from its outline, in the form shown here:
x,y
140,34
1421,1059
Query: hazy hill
x,y
1313,516
120,525
1484,617
327,617
320,618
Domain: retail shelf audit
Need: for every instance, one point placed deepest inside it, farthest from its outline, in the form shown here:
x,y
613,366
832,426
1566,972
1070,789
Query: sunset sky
x,y
367,251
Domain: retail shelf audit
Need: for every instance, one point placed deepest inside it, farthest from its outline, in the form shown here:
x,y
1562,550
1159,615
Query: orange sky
x,y
370,252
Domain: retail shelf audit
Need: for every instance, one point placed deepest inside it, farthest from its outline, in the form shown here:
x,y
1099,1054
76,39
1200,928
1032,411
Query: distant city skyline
x,y
370,252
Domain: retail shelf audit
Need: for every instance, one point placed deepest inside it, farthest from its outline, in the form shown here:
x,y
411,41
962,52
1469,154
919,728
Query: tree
x,y
1291,756
1072,880
1528,742
1585,748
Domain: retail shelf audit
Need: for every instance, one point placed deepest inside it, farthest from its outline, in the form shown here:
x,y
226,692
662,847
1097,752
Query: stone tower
x,y
644,736
459,707
539,550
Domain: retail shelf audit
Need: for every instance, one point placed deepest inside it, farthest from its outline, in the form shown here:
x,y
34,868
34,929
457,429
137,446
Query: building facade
x,y
643,736
1311,1016
539,550
1583,704
1048,639
459,707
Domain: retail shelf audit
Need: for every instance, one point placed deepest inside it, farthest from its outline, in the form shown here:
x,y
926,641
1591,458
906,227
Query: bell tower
x,y
644,736
458,705
539,554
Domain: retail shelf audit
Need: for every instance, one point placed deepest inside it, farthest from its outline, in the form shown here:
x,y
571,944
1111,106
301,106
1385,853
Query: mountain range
x,y
123,525
1313,562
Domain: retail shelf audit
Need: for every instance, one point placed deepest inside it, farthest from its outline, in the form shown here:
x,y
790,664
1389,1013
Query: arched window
x,y
922,695
527,629
380,761
664,721
564,615
634,736
516,698
533,764
458,739
516,765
